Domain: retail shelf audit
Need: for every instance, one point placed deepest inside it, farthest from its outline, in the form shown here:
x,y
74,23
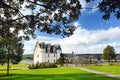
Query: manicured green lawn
x,y
12,66
62,73
114,69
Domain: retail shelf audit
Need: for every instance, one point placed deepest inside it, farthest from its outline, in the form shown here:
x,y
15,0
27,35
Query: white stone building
x,y
46,52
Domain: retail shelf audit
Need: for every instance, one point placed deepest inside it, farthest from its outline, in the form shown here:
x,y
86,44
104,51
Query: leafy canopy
x,y
51,16
109,7
11,50
108,53
11,47
61,61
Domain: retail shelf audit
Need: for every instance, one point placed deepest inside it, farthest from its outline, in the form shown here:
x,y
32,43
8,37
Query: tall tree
x,y
108,53
11,49
51,16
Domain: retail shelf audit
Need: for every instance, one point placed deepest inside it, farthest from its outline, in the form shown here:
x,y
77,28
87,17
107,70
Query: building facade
x,y
46,52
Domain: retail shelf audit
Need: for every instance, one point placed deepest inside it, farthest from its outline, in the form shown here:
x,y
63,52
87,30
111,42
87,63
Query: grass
x,y
113,69
62,73
12,66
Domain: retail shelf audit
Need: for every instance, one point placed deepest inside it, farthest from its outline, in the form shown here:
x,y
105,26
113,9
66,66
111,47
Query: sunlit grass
x,y
61,73
15,66
114,69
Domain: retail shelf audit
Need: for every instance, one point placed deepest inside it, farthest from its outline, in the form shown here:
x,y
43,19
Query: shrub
x,y
61,61
42,65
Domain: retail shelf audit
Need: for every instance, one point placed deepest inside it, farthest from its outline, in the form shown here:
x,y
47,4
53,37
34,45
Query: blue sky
x,y
92,35
94,21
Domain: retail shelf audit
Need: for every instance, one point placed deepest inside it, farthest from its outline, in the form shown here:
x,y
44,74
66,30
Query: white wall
x,y
40,55
37,54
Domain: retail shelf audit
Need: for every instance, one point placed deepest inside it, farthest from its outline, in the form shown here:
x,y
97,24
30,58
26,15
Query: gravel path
x,y
101,73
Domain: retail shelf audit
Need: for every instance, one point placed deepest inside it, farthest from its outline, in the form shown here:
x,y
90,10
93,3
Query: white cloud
x,y
25,11
28,49
94,6
94,9
76,24
12,29
83,4
21,33
82,41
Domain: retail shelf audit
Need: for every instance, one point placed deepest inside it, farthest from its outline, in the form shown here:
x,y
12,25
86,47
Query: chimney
x,y
37,43
55,48
48,48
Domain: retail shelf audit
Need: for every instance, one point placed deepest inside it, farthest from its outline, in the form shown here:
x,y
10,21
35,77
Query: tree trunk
x,y
109,62
8,60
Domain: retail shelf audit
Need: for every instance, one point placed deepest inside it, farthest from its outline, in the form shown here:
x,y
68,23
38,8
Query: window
x,y
48,54
54,60
37,61
37,56
48,60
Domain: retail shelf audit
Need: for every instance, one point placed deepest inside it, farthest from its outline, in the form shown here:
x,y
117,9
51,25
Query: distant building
x,y
94,57
46,52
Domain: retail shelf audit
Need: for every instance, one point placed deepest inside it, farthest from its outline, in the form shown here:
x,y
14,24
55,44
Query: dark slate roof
x,y
58,48
51,49
49,46
42,45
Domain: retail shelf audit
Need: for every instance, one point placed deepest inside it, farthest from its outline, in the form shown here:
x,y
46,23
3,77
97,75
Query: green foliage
x,y
61,61
11,50
109,7
50,16
11,47
108,53
42,65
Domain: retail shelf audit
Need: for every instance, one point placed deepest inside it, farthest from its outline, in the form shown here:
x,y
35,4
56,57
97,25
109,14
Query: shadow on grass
x,y
10,69
4,75
80,76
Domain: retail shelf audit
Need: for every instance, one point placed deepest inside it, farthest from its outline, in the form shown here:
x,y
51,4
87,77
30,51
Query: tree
x,y
11,49
108,53
51,16
61,61
109,7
